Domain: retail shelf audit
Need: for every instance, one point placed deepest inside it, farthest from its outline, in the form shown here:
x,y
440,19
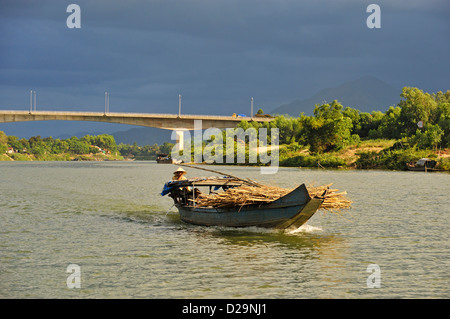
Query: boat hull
x,y
288,212
422,169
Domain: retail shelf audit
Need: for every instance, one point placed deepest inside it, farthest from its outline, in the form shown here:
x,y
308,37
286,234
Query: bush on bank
x,y
391,159
320,160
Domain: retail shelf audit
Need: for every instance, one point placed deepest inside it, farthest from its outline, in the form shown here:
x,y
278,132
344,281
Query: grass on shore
x,y
370,154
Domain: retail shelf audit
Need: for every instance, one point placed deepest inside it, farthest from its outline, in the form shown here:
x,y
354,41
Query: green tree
x,y
89,139
285,127
167,147
328,111
416,106
368,122
105,141
59,146
38,146
24,145
355,116
38,149
429,138
389,127
76,146
444,124
328,130
3,138
442,116
3,142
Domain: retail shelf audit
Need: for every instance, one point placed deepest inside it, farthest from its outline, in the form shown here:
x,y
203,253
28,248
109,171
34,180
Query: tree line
x,y
44,148
147,152
420,119
40,147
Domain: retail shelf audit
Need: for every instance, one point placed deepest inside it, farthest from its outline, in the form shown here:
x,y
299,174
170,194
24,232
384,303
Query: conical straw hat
x,y
180,170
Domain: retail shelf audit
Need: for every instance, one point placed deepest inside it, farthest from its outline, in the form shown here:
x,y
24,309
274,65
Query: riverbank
x,y
60,157
366,154
370,154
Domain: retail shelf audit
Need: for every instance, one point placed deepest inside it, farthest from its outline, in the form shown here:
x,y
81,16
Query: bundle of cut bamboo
x,y
333,200
248,195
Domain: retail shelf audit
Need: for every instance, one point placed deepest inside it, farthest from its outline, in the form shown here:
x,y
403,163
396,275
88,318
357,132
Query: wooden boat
x,y
288,212
165,159
423,165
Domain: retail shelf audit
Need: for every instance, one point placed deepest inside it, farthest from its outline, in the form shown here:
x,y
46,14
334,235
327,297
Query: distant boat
x,y
288,212
423,165
166,159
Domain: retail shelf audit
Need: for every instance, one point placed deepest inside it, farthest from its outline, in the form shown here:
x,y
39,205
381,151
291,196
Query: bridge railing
x,y
142,115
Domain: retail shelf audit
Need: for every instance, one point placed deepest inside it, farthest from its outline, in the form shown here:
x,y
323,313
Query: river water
x,y
108,219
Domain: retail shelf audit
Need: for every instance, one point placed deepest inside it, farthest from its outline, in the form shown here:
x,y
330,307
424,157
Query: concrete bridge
x,y
162,121
178,123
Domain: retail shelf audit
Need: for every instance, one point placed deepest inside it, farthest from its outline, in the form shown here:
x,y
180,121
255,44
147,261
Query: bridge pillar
x,y
180,139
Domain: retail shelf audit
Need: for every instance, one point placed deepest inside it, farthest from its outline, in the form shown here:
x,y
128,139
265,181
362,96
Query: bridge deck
x,y
163,121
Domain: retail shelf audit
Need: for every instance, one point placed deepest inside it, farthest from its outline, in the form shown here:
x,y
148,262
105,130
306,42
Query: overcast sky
x,y
216,53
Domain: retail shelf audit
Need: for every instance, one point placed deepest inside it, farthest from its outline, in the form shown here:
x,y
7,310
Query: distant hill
x,y
146,136
143,136
366,94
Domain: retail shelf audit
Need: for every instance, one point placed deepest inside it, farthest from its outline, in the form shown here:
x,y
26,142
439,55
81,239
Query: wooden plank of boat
x,y
207,182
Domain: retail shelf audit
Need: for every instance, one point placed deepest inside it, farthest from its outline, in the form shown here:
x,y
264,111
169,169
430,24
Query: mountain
x,y
366,94
147,136
143,136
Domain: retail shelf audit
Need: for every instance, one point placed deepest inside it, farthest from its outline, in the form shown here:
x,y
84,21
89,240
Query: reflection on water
x,y
109,218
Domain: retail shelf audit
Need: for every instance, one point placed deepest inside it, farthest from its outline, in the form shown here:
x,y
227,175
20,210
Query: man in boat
x,y
178,175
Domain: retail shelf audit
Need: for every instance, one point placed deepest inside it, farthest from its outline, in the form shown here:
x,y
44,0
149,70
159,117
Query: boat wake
x,y
305,229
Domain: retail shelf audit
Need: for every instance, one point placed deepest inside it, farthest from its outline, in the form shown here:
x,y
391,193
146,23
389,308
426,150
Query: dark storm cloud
x,y
216,53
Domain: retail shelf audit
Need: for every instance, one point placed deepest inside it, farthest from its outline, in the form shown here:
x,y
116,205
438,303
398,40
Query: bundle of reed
x,y
248,195
334,200
240,196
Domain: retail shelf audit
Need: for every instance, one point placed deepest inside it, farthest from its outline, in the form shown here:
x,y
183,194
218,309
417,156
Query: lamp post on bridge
x,y
179,134
32,105
106,102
